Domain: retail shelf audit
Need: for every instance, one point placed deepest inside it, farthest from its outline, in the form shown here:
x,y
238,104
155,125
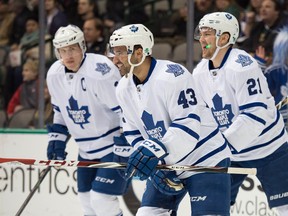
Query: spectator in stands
x,y
229,6
19,7
250,16
26,94
86,9
55,17
93,34
265,31
6,22
179,18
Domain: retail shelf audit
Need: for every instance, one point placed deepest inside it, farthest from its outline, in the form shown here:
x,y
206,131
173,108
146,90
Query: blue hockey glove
x,y
167,182
122,150
145,158
58,135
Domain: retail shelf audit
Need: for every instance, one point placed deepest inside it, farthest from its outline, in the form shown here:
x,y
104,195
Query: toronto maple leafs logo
x,y
102,68
78,115
134,28
244,60
222,114
176,69
153,130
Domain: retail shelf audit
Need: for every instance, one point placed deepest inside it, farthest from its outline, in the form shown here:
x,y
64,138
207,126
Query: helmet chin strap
x,y
134,65
218,48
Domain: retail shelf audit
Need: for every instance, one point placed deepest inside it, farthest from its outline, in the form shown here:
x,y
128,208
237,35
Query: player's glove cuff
x,y
155,147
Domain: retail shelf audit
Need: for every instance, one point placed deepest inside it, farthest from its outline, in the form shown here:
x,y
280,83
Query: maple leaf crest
x,y
153,130
222,114
175,69
244,60
102,68
78,115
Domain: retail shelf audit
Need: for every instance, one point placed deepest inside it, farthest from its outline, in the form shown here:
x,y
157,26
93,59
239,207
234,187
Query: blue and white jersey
x,y
164,107
86,103
240,100
277,78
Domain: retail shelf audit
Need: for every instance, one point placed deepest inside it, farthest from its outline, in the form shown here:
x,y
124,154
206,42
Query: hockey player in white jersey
x,y
82,88
234,87
165,121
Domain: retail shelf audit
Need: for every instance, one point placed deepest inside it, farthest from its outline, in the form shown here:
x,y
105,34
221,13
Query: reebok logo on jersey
x,y
102,68
78,115
176,69
222,114
244,60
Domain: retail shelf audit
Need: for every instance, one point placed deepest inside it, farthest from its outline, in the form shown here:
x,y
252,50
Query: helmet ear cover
x,y
66,36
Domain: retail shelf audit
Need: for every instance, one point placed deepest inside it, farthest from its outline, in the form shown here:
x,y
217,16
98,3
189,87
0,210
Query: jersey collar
x,y
152,66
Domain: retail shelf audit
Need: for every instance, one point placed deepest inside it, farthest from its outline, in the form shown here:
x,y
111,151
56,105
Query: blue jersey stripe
x,y
101,149
201,142
56,108
136,141
210,154
191,116
264,144
272,125
95,138
257,104
254,117
135,132
116,108
185,129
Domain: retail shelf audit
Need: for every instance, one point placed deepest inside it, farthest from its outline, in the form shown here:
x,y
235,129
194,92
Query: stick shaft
x,y
114,165
282,103
36,186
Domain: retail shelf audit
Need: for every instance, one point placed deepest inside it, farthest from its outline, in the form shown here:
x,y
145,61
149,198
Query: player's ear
x,y
224,39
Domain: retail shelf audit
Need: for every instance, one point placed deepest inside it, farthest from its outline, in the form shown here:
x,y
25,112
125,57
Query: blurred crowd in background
x,y
260,22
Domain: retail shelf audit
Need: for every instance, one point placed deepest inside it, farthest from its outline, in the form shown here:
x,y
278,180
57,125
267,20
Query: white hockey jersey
x,y
86,103
241,103
163,107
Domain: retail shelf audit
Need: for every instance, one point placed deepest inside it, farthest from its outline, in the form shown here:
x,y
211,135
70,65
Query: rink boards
x,y
57,193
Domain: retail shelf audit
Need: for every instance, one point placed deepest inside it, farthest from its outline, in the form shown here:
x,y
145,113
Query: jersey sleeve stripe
x,y
202,141
135,141
272,125
56,108
95,138
100,149
254,117
210,154
257,104
264,144
135,132
116,108
191,116
185,129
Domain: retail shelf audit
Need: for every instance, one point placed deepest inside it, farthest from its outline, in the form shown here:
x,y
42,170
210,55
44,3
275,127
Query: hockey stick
x,y
114,165
36,186
282,103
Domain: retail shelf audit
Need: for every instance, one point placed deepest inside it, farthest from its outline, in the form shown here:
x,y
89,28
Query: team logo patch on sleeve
x,y
244,60
176,69
102,68
79,115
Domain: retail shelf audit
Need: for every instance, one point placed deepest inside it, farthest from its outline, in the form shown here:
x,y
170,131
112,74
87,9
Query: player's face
x,y
121,59
207,40
71,56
